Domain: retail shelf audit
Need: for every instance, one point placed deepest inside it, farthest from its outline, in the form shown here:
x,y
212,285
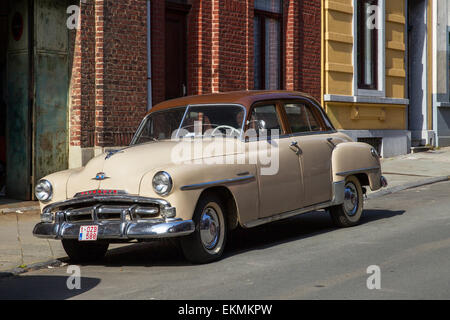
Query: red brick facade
x,y
109,74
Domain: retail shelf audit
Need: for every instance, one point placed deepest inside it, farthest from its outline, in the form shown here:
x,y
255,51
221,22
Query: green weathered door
x,y
38,82
52,85
18,127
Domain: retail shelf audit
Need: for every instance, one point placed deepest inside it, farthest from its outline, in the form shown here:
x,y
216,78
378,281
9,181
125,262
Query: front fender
x,y
59,184
204,175
353,158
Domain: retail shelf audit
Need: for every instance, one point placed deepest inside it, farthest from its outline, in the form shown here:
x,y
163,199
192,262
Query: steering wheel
x,y
226,127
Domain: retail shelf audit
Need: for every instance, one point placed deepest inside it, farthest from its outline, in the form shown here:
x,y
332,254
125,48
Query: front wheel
x,y
84,251
207,242
349,213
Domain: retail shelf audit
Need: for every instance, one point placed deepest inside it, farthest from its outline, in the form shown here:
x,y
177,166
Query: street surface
x,y
405,234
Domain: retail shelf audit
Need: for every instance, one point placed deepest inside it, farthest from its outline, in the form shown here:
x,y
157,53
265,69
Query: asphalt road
x,y
407,235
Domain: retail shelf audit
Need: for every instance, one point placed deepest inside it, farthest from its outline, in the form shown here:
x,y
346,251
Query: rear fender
x,y
358,159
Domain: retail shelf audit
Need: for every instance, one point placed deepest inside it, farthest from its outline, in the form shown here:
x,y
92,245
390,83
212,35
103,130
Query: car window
x,y
265,117
213,119
301,118
160,125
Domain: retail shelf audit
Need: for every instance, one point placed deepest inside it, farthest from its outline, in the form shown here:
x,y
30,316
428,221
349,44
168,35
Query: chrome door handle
x,y
294,144
330,141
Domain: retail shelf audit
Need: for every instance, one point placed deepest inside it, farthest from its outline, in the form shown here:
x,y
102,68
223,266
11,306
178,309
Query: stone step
x,y
420,149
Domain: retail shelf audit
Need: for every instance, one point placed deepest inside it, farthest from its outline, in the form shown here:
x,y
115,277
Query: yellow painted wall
x,y
337,33
338,43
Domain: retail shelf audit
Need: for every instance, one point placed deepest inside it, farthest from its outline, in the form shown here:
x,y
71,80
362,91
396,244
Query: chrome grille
x,y
111,212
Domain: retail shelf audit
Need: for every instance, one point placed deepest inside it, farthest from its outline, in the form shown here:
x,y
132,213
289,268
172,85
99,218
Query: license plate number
x,y
88,233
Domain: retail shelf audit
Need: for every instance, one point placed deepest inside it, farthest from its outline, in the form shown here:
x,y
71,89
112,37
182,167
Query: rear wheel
x,y
84,251
207,242
349,213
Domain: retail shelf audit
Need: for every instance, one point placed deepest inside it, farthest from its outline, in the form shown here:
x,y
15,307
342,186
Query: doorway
x,y
176,50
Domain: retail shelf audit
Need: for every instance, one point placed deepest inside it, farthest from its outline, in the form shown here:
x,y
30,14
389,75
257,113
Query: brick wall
x,y
158,48
82,109
302,45
109,72
234,40
124,67
309,70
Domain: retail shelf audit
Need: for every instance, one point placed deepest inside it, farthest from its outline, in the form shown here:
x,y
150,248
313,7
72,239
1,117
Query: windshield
x,y
198,121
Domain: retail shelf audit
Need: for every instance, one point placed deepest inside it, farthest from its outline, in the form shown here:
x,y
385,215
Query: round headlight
x,y
44,190
162,183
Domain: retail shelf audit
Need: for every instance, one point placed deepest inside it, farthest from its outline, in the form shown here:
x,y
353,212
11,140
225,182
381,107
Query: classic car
x,y
274,155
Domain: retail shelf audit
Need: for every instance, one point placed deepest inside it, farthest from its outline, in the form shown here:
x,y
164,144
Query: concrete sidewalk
x,y
20,250
412,170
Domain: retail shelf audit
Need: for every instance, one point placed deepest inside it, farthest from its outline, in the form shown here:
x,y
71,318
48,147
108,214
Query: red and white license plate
x,y
88,233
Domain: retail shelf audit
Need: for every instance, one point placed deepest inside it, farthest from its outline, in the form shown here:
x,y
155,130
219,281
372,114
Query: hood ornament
x,y
100,176
110,153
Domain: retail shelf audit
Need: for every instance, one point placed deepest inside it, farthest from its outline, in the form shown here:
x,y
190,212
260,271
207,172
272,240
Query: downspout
x,y
149,57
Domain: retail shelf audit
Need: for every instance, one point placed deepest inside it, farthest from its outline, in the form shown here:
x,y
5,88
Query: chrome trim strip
x,y
346,173
288,214
217,182
106,198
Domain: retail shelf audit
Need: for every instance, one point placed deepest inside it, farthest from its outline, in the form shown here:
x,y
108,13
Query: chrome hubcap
x,y
209,228
351,200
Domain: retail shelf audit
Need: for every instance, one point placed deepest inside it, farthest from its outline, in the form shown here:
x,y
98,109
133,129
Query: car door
x,y
314,142
279,179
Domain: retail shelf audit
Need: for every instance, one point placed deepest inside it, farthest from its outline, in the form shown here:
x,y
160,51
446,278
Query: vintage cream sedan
x,y
200,166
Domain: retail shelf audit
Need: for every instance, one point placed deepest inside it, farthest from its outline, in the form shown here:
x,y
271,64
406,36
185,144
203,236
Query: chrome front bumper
x,y
112,230
117,217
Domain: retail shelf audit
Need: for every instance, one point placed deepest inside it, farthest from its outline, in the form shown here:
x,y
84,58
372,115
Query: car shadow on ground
x,y
33,287
168,252
297,228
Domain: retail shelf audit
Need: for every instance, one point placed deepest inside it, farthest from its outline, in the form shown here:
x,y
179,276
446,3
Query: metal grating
x,y
374,142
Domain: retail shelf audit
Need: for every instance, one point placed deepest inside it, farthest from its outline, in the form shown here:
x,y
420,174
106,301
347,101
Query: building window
x,y
367,39
267,46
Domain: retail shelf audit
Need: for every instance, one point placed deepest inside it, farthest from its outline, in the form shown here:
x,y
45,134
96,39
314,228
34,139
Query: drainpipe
x,y
149,58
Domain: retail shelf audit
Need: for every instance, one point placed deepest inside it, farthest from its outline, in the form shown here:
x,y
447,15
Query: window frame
x,y
380,90
361,34
262,14
315,108
309,113
280,114
317,112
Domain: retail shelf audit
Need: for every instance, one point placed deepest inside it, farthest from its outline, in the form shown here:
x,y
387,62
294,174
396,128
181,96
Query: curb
x,y
15,210
33,267
406,186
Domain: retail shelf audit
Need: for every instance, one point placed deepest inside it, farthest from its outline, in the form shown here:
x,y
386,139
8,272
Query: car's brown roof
x,y
245,98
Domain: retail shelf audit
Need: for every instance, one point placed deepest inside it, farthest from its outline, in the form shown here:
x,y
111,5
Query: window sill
x,y
364,99
443,104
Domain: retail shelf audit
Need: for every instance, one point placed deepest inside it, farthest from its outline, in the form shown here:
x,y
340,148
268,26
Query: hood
x,y
124,169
